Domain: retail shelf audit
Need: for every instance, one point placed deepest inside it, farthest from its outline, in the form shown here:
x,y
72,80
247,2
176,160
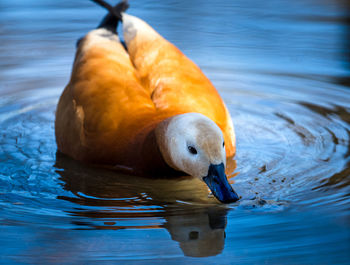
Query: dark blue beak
x,y
218,184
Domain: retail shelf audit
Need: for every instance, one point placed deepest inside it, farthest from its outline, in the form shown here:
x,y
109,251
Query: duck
x,y
141,107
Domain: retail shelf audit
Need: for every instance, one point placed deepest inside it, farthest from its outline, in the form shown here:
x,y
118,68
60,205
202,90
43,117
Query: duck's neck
x,y
150,161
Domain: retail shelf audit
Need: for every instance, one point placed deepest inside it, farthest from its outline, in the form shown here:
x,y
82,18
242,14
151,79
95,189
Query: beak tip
x,y
232,197
218,184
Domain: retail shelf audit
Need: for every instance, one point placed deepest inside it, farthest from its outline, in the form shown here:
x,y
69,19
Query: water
x,y
282,67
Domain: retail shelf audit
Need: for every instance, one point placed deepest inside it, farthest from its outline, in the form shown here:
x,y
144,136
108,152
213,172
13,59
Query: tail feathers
x,y
111,20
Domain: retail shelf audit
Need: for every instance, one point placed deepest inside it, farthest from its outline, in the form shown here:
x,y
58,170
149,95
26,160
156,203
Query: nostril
x,y
215,179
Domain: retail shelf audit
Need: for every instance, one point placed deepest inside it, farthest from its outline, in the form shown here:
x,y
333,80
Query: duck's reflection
x,y
201,234
198,222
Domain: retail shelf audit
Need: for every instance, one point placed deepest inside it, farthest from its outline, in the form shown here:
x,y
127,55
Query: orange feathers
x,y
116,97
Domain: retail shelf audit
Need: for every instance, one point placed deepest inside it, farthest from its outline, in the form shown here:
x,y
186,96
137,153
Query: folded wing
x,y
175,83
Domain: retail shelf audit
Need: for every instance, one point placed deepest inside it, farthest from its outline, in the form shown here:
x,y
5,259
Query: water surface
x,y
283,69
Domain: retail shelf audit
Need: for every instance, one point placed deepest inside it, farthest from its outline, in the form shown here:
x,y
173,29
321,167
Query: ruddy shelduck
x,y
143,107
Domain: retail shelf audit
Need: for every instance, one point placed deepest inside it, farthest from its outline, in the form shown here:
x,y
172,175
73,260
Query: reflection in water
x,y
200,234
198,224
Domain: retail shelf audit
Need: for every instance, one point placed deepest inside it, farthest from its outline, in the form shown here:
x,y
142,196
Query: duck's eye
x,y
192,150
223,144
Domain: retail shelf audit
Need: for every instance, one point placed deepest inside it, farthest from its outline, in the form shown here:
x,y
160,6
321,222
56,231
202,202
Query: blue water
x,y
283,69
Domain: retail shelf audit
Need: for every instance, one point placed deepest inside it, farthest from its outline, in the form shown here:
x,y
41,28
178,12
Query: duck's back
x,y
176,84
104,105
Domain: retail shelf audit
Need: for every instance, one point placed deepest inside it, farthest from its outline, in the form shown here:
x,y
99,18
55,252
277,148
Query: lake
x,y
282,68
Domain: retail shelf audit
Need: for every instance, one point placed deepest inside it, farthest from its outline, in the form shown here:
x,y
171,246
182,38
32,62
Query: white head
x,y
194,144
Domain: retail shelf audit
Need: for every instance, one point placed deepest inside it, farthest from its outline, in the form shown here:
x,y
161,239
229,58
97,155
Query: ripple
x,y
280,156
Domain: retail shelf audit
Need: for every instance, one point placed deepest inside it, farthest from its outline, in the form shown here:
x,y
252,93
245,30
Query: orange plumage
x,y
116,97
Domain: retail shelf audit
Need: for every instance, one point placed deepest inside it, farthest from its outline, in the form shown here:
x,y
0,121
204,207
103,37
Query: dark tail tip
x,y
111,20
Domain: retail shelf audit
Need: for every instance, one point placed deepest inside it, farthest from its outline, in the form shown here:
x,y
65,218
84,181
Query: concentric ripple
x,y
287,146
